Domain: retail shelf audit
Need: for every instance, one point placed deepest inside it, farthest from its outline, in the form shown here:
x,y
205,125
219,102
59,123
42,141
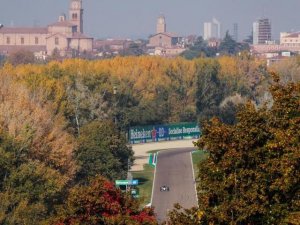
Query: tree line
x,y
63,125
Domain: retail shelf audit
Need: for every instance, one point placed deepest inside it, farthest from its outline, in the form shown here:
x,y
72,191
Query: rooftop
x,y
80,36
169,34
23,30
293,35
62,24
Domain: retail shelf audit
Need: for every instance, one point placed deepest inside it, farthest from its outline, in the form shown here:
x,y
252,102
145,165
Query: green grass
x,y
145,178
197,157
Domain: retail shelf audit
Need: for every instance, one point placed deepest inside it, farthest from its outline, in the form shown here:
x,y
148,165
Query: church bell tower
x,y
76,14
161,26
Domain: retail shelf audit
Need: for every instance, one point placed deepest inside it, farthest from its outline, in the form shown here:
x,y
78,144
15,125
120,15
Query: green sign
x,y
122,182
183,131
127,182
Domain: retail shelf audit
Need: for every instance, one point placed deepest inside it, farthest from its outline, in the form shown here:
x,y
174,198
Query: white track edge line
x,y
195,183
153,183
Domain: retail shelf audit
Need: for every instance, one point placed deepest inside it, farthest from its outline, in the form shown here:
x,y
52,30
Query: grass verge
x,y
145,178
198,156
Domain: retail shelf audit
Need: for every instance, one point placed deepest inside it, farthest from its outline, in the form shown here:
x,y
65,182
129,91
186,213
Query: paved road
x,y
174,169
141,150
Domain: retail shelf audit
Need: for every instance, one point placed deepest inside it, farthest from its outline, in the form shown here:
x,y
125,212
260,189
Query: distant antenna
x,y
236,32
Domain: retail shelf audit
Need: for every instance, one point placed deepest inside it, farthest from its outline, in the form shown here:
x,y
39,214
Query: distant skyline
x,y
137,18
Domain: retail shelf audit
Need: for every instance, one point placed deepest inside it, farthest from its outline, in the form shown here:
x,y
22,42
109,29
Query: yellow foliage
x,y
147,78
31,121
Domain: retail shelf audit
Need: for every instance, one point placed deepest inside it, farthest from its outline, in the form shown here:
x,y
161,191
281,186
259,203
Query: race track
x,y
173,169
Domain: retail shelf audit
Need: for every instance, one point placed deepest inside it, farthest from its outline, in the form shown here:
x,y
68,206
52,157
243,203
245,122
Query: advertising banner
x,y
144,134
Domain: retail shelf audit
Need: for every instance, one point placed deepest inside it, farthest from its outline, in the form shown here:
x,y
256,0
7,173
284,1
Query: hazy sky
x,y
137,18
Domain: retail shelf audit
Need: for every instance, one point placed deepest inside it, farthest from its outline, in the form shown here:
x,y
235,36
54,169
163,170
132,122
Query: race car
x,y
164,188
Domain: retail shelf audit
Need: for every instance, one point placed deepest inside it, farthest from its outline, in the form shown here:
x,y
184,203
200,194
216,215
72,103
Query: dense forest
x,y
63,127
142,90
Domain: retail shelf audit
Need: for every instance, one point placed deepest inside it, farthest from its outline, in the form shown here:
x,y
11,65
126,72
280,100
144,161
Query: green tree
x,y
209,91
30,193
198,49
102,151
249,39
2,60
134,49
86,101
230,46
21,57
8,156
55,56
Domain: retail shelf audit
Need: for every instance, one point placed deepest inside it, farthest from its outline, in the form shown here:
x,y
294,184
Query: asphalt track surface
x,y
174,169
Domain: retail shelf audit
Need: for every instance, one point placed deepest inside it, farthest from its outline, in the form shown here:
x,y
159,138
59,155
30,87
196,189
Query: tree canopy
x,y
252,174
102,150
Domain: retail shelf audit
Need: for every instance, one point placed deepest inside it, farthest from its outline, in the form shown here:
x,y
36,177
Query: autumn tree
x,y
36,155
151,90
252,174
102,203
32,122
288,69
180,216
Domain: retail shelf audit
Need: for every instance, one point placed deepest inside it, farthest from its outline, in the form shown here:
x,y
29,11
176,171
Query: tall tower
x,y
235,32
76,14
161,26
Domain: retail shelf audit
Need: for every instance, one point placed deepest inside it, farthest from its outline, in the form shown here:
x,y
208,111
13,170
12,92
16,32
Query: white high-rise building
x,y
212,30
262,31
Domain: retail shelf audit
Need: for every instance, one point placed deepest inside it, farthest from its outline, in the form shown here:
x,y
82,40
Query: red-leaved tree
x,y
101,202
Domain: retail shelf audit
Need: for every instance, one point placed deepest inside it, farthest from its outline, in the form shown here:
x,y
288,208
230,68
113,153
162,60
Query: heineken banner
x,y
143,134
